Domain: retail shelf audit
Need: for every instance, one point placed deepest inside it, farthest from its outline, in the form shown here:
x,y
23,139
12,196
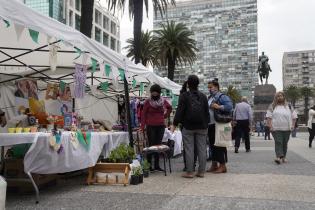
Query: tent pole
x,y
127,103
92,75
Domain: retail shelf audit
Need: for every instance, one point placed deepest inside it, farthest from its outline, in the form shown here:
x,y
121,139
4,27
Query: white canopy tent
x,y
21,57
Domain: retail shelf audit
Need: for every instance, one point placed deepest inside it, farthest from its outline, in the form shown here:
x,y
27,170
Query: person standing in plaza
x,y
281,120
223,103
267,130
155,111
243,117
192,112
311,125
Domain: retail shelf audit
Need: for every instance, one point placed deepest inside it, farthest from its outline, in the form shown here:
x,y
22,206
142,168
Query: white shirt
x,y
282,117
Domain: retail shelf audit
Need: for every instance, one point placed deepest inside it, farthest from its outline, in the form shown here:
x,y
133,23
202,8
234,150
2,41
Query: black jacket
x,y
184,113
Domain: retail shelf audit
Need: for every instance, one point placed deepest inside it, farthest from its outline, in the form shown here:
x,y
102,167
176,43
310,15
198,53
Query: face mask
x,y
155,98
212,92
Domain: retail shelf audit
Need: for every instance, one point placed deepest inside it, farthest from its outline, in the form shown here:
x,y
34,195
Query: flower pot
x,y
141,178
146,174
134,180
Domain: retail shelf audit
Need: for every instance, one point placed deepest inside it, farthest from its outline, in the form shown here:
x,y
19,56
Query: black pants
x,y
211,137
312,134
267,132
219,154
155,135
242,130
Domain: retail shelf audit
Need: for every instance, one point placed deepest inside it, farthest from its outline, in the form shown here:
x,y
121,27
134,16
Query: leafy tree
x,y
147,53
306,93
136,12
233,94
292,94
174,45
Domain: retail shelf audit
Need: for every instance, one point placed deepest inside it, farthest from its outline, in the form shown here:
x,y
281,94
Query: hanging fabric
x,y
80,78
53,51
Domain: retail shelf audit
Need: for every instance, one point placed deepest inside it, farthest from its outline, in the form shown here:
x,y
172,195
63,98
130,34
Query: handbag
x,y
222,116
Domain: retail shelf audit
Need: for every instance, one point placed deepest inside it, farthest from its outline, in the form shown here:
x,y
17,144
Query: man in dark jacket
x,y
193,113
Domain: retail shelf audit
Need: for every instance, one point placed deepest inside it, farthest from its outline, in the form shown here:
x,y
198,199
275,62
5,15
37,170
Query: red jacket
x,y
154,116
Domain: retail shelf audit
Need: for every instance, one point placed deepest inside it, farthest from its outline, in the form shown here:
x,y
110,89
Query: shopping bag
x,y
223,135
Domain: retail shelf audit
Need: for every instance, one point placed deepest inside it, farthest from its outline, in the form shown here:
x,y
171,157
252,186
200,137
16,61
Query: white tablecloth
x,y
42,159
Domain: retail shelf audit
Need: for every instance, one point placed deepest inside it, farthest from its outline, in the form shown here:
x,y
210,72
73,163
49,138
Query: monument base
x,y
263,97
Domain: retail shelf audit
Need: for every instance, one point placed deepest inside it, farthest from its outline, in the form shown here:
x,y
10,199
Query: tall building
x,y
226,35
298,69
105,29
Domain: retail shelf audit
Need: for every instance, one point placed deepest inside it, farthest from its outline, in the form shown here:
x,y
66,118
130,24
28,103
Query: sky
x,y
283,25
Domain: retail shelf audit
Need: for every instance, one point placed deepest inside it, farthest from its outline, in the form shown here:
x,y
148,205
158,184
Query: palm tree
x,y
174,45
86,17
233,94
292,93
136,12
306,92
147,54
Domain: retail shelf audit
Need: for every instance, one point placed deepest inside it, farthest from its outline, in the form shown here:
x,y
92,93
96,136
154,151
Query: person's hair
x,y
184,88
215,83
155,88
244,99
275,99
313,107
193,82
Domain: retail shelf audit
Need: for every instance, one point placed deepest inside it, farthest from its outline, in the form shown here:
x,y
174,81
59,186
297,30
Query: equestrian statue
x,y
263,68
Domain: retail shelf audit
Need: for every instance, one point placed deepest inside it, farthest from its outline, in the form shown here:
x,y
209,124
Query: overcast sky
x,y
283,25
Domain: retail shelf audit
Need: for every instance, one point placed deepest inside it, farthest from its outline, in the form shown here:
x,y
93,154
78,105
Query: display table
x,y
42,159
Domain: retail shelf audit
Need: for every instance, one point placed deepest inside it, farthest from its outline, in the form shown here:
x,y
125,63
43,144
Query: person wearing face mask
x,y
281,120
155,111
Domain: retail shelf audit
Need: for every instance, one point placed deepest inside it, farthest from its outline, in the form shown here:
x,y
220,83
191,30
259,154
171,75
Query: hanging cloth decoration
x,y
74,140
79,79
7,23
174,101
104,86
94,64
34,35
62,86
107,70
164,92
141,88
77,50
84,139
53,51
18,30
134,83
121,73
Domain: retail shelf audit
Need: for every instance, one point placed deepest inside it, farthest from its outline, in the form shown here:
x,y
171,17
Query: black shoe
x,y
184,169
159,169
310,145
236,150
248,150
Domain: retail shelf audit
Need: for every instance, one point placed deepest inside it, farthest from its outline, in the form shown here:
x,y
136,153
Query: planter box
x,y
123,168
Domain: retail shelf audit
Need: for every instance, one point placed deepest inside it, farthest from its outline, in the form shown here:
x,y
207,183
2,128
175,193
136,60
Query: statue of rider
x,y
262,59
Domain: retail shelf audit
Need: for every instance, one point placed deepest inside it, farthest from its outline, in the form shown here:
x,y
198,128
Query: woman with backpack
x,y
219,102
281,120
192,112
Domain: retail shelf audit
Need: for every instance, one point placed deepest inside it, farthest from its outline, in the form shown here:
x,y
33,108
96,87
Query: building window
x,y
78,5
118,46
113,28
105,22
97,34
105,39
77,22
112,43
70,18
98,17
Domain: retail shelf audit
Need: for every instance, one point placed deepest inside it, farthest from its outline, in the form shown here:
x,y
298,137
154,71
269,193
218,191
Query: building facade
x,y
298,69
105,29
226,35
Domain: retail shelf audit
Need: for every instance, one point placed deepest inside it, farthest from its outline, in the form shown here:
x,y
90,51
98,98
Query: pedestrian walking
x,y
223,103
281,119
155,111
267,130
192,112
311,125
258,128
243,117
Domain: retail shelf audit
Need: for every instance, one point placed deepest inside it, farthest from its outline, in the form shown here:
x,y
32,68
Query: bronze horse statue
x,y
263,68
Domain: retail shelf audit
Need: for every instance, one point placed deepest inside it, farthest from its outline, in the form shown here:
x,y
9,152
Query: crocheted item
x,y
79,78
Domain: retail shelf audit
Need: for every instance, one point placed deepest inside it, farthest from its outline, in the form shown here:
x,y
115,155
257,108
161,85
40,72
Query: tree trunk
x,y
86,17
137,23
170,68
306,108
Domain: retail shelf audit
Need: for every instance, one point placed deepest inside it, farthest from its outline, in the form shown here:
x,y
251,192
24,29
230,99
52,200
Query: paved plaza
x,y
253,181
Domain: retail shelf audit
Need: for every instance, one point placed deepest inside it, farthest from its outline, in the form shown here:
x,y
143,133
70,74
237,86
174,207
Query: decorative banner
x,y
107,70
121,73
134,83
104,86
174,101
34,35
18,30
94,64
7,23
62,86
141,88
164,92
77,50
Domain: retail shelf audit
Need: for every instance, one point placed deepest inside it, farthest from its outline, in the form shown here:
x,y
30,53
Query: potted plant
x,y
134,179
146,168
122,154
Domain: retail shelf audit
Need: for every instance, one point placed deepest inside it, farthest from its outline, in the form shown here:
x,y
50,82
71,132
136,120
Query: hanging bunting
x,y
107,70
84,139
134,83
174,101
164,92
34,35
94,64
77,50
7,23
141,88
104,86
121,73
18,30
62,86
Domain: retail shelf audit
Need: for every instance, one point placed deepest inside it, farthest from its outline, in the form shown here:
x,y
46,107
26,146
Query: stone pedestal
x,y
263,97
